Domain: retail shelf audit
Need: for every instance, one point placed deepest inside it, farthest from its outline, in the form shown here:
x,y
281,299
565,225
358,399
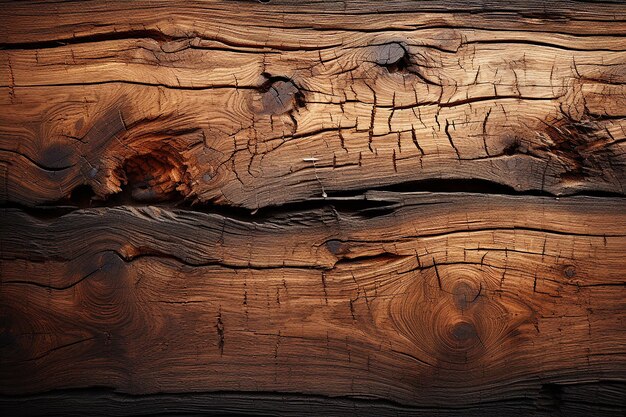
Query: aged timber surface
x,y
313,207
237,111
512,293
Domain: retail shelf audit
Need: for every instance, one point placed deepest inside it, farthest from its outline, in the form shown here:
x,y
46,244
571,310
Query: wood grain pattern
x,y
313,208
238,112
501,290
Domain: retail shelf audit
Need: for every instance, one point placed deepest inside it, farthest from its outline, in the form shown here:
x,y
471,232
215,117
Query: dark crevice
x,y
103,400
140,83
355,202
161,37
270,80
478,186
401,65
100,37
535,43
393,56
299,99
148,253
82,196
68,400
382,257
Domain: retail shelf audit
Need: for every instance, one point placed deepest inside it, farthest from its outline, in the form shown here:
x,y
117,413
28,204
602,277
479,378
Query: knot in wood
x,y
449,315
393,56
569,271
337,247
279,95
465,294
463,332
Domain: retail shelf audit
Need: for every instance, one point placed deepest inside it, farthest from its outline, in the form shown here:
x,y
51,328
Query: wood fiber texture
x,y
313,208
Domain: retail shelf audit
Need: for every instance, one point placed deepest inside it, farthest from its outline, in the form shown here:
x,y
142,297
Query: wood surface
x,y
313,208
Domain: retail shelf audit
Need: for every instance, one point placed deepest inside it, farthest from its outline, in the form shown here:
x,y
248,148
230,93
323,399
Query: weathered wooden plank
x,y
212,207
97,18
232,115
511,293
597,399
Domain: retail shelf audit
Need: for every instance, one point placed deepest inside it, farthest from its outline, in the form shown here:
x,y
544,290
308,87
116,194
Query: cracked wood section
x,y
524,296
573,399
316,101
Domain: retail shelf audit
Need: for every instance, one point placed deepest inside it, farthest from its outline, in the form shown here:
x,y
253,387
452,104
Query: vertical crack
x,y
447,130
219,326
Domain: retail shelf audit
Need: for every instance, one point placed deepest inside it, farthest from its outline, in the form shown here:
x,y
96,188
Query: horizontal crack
x,y
107,400
100,37
359,202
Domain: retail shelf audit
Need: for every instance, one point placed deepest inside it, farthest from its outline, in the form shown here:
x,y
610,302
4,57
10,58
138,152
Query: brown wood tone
x,y
228,113
514,294
313,208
